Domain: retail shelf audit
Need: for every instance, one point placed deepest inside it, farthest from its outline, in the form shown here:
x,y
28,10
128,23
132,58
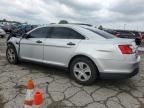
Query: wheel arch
x,y
10,43
81,55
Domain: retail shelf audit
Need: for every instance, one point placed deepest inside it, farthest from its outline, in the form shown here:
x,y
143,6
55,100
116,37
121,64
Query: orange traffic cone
x,y
29,95
38,100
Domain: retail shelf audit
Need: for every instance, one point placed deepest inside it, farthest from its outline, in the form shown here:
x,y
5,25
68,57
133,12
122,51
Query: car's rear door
x,y
60,45
32,48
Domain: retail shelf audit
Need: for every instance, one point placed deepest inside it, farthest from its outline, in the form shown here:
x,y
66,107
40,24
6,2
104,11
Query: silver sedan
x,y
87,52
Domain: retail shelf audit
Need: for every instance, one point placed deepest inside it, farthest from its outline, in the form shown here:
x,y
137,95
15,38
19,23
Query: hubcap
x,y
11,55
82,71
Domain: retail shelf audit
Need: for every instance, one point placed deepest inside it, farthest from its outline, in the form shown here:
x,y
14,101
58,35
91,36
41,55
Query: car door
x,y
60,45
31,48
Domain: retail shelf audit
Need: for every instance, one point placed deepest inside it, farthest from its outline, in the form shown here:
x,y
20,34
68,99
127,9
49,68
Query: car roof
x,y
64,25
78,28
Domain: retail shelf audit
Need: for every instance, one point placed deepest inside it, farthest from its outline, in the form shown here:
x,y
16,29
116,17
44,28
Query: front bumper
x,y
118,75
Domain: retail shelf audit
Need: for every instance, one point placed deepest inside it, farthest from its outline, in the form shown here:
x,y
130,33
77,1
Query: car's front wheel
x,y
83,71
11,55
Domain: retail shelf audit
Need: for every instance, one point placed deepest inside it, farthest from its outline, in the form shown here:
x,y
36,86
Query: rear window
x,y
125,33
111,32
101,33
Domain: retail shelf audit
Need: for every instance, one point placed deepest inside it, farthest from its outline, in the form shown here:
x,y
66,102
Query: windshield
x,y
101,33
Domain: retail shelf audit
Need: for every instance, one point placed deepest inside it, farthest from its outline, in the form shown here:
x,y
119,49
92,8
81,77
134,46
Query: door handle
x,y
71,44
38,41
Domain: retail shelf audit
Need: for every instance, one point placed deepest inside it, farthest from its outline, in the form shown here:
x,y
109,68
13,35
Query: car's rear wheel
x,y
11,55
83,71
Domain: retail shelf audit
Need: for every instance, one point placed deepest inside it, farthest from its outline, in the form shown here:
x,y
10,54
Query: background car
x,y
2,33
1,26
7,28
142,35
19,30
126,34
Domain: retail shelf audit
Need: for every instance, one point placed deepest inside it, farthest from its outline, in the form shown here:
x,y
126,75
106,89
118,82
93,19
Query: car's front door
x,y
31,48
60,45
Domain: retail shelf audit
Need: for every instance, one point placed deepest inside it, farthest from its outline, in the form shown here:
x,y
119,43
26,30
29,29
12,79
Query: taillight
x,y
125,49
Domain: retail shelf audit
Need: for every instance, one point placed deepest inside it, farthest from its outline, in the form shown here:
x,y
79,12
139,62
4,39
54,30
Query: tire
x,y
79,74
13,58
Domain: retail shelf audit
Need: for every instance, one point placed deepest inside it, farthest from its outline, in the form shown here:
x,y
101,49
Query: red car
x,y
142,35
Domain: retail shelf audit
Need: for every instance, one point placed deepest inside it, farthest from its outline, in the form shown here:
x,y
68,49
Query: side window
x,y
40,33
65,33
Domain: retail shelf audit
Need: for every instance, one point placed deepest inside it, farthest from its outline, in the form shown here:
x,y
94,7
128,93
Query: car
x,y
2,33
87,53
138,37
113,32
126,34
142,36
20,30
122,33
7,28
137,34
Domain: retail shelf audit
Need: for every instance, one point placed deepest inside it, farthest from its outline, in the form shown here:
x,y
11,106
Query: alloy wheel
x,y
11,55
82,71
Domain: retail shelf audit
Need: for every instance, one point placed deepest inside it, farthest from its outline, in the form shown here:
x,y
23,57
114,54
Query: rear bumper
x,y
118,75
127,65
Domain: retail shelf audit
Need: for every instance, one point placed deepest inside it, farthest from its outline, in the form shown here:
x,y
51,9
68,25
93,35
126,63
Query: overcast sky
x,y
110,13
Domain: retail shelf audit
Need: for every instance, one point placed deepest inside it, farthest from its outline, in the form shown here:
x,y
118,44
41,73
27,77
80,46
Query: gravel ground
x,y
62,92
